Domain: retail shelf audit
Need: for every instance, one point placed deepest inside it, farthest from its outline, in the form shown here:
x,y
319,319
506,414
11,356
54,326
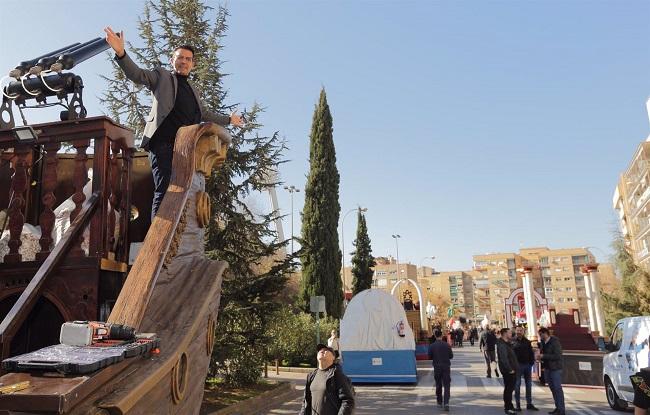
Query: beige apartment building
x,y
631,201
482,291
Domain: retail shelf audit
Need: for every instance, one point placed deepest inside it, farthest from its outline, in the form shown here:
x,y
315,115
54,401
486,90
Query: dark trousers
x,y
524,371
508,388
442,376
554,381
490,356
160,157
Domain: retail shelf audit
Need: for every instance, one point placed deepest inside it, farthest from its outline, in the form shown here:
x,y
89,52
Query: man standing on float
x,y
175,103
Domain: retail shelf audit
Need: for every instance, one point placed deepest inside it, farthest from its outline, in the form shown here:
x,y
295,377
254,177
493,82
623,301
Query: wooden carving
x,y
211,150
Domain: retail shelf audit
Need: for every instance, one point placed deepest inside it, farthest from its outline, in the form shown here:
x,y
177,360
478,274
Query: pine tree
x,y
633,297
246,240
320,253
362,260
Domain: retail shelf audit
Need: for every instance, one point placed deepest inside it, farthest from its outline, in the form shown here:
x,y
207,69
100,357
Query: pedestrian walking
x,y
441,354
459,335
487,345
551,358
333,342
509,366
327,391
525,358
473,335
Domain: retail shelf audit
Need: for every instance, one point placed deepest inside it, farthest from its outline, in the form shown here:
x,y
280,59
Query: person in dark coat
x,y
526,358
487,345
508,365
551,357
441,354
473,335
327,391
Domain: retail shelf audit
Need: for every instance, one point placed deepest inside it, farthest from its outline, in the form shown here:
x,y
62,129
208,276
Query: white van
x,y
627,352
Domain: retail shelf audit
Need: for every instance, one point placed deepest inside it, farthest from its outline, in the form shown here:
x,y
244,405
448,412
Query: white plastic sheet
x,y
375,320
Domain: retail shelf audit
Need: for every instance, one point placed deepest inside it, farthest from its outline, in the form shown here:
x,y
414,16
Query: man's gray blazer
x,y
162,83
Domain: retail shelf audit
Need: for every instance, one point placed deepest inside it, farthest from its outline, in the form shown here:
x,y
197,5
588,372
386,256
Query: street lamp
x,y
422,263
396,237
362,210
292,189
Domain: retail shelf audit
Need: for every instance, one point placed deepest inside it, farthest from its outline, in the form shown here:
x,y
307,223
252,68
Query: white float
x,y
377,343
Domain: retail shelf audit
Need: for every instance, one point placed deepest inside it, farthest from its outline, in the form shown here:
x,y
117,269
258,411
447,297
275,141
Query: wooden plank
x,y
134,297
23,306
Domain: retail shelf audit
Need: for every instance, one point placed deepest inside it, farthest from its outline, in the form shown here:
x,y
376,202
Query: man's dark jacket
x,y
552,354
338,393
506,357
488,340
440,354
524,351
163,85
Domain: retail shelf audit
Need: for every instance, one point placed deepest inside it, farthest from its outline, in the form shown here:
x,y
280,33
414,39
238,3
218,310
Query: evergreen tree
x,y
362,261
633,297
320,253
256,274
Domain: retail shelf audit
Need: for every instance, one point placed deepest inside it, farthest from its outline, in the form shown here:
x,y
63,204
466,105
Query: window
x,y
381,272
617,337
567,278
558,269
382,282
502,272
494,272
565,269
570,300
548,290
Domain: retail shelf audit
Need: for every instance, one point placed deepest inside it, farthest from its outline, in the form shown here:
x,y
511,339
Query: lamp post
x,y
396,237
422,263
292,189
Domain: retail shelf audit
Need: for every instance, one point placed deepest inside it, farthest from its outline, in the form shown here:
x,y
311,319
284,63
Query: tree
x,y
246,240
320,254
633,297
362,260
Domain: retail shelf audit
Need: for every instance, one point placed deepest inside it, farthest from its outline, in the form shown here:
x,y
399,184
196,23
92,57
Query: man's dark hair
x,y
543,330
437,334
504,330
186,47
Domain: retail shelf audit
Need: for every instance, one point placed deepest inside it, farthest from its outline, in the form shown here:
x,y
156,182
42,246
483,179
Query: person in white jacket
x,y
333,342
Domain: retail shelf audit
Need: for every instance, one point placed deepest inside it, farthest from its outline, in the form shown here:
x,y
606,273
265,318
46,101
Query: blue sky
x,y
466,127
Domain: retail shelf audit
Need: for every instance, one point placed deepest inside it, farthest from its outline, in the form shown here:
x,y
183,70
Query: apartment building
x,y
483,290
631,202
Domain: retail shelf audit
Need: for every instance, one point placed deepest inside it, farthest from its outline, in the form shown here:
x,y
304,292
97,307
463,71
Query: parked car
x,y
626,353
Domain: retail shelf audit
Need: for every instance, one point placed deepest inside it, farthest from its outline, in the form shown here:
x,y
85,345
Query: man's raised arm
x,y
132,71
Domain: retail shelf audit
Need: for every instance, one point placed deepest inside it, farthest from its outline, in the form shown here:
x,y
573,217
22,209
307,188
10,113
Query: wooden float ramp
x,y
172,290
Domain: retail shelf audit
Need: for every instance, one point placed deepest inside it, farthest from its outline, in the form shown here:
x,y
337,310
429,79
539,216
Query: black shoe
x,y
554,412
531,407
517,409
510,412
489,375
439,404
446,408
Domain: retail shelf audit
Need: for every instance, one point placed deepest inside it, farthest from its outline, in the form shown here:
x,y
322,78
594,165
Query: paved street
x,y
471,393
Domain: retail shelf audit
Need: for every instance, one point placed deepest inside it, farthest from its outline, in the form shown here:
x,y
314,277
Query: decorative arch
x,y
540,302
423,315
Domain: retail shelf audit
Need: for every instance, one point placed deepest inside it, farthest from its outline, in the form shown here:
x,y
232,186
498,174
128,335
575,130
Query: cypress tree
x,y
362,260
320,254
245,239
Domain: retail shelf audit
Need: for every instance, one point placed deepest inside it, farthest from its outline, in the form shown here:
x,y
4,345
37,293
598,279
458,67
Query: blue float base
x,y
380,366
